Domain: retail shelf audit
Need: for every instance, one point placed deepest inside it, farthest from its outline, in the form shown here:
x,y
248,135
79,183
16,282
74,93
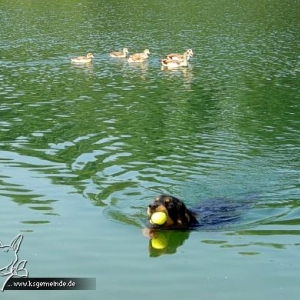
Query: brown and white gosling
x,y
177,56
83,59
120,54
139,57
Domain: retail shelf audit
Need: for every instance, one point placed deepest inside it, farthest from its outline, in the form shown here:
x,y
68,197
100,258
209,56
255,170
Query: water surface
x,y
85,149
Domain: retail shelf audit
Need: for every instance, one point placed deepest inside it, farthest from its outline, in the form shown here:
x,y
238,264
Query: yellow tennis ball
x,y
158,218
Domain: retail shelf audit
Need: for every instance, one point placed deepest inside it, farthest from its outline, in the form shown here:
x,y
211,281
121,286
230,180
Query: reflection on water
x,y
24,181
165,242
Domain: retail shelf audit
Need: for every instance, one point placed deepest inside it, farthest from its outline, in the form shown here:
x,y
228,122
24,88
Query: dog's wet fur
x,y
178,215
212,214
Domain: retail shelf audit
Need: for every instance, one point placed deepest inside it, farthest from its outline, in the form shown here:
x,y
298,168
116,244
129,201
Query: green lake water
x,y
85,148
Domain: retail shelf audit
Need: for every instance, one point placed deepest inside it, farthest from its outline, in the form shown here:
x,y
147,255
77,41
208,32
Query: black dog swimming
x,y
212,213
178,215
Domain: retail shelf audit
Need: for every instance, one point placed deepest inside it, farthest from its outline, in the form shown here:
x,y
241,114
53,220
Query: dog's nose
x,y
152,206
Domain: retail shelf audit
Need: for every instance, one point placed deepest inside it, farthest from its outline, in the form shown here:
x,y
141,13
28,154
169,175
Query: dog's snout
x,y
152,206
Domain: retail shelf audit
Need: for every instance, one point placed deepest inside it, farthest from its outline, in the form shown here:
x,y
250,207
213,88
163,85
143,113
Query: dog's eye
x,y
168,200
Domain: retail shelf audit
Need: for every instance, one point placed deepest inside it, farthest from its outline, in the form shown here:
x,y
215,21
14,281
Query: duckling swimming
x,y
171,64
83,59
139,57
177,56
121,54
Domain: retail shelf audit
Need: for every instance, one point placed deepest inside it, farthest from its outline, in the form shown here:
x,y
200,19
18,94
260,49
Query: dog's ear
x,y
183,216
187,216
16,242
183,219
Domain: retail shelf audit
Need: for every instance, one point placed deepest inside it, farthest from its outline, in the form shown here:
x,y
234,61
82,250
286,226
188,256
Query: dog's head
x,y
178,216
